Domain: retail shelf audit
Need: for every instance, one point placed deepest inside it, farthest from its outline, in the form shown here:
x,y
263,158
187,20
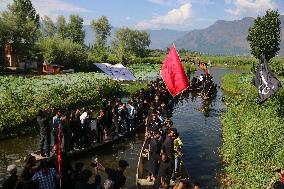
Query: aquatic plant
x,y
253,134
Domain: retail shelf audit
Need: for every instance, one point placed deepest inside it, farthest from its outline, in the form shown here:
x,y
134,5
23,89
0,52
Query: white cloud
x,y
169,2
51,8
128,18
252,6
172,18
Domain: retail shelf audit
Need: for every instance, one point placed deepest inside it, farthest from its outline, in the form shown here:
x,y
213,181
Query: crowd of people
x,y
72,130
114,118
45,175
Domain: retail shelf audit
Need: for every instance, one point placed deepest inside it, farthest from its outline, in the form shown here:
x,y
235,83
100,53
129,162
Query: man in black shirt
x,y
116,175
13,182
44,133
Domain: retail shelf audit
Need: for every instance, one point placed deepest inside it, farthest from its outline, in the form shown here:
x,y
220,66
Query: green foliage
x,y
128,43
49,29
253,134
102,28
264,35
20,27
63,52
62,30
22,97
145,71
75,29
188,68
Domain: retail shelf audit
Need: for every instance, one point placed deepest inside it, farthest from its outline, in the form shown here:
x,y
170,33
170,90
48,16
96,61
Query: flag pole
x,y
59,155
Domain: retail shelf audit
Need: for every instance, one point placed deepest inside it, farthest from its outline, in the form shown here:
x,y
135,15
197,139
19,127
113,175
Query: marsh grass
x,y
253,134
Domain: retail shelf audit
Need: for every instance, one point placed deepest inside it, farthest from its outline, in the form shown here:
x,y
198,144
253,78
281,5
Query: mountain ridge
x,y
222,37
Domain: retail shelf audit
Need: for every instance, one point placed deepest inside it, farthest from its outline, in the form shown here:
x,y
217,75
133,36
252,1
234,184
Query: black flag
x,y
265,81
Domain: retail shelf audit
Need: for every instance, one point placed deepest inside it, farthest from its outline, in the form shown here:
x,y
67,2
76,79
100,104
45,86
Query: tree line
x,y
62,42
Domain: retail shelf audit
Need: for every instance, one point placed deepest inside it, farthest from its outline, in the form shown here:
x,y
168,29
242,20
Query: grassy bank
x,y
22,97
253,135
244,62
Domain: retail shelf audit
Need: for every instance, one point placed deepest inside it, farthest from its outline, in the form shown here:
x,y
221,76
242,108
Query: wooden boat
x,y
141,174
110,141
210,93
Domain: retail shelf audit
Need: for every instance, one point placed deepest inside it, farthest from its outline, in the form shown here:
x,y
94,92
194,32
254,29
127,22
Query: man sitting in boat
x,y
116,175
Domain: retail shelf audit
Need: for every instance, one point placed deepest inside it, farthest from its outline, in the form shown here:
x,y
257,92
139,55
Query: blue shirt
x,y
46,181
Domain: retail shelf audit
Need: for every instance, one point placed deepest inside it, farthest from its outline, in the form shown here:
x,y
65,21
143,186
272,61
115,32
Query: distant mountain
x,y
159,38
223,37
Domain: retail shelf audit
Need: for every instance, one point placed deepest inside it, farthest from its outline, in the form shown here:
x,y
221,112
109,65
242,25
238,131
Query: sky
x,y
155,14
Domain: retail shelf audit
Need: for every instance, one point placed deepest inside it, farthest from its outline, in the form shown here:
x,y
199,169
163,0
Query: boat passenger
x,y
116,175
13,181
55,125
42,120
178,152
163,173
46,177
100,125
153,155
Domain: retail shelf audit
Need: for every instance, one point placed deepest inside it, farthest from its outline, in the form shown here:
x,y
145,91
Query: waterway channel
x,y
196,120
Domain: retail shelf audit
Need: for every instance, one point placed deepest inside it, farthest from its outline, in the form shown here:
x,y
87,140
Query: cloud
x,y
169,2
171,19
251,6
128,18
51,8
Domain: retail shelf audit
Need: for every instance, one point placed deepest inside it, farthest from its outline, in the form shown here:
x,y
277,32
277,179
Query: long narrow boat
x,y
141,177
95,146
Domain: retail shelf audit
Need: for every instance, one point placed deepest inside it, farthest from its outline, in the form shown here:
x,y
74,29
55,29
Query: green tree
x,y
49,28
75,29
128,43
21,23
61,27
63,51
264,35
102,28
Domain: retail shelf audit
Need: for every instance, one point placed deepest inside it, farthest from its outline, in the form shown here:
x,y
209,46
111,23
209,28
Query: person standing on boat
x,y
178,152
168,147
131,116
108,117
123,117
116,175
163,173
115,125
66,132
85,119
42,120
153,155
100,124
153,122
55,125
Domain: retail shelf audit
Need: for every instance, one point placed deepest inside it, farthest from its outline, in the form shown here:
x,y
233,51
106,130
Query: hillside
x,y
223,37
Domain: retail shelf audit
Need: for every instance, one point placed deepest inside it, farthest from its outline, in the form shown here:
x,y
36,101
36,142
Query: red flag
x,y
59,160
173,74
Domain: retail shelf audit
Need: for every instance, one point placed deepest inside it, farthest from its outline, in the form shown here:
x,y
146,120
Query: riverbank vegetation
x,y
22,97
253,134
